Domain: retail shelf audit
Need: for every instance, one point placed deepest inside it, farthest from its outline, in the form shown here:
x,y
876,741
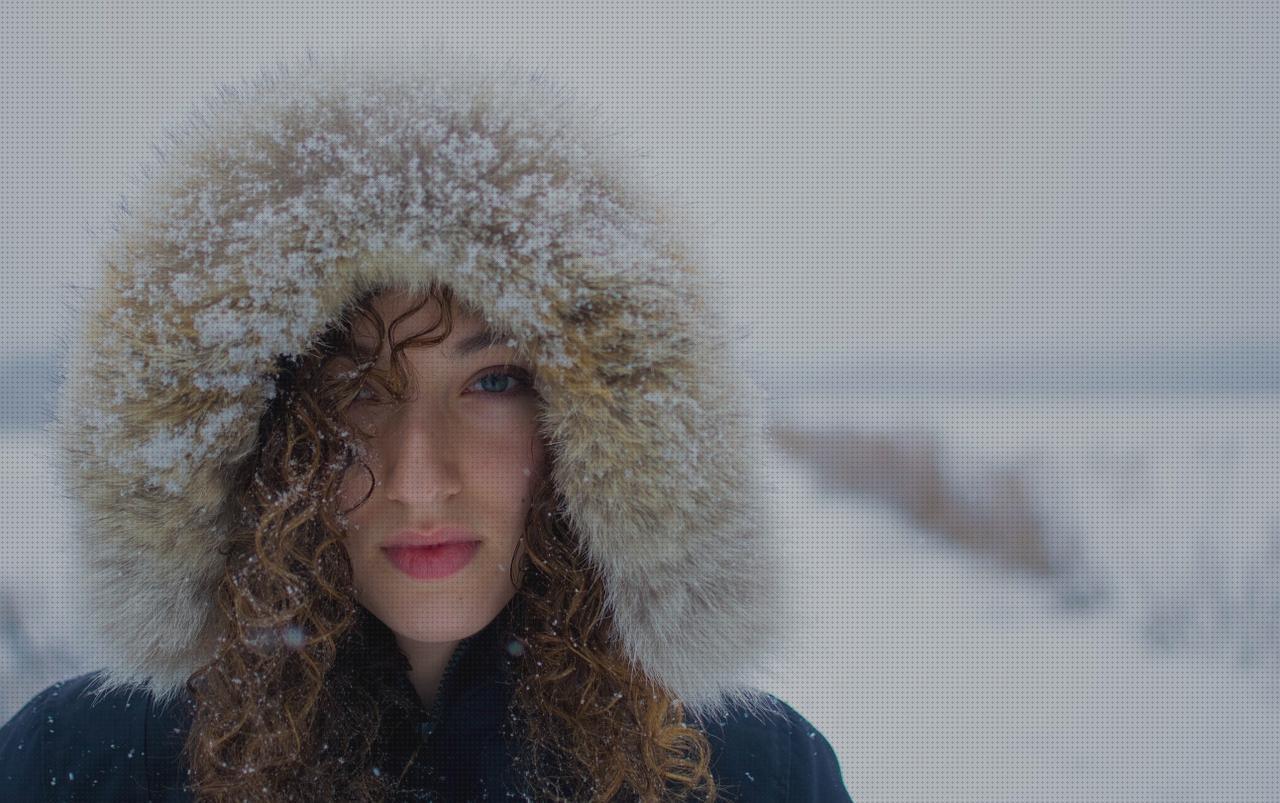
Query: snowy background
x,y
1007,270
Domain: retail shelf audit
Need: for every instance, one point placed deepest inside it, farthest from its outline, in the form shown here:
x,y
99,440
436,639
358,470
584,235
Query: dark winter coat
x,y
279,203
62,746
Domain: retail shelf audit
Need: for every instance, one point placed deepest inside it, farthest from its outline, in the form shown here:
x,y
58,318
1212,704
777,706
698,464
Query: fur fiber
x,y
281,199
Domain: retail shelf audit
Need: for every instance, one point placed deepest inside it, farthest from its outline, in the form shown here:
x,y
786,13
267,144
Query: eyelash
x,y
515,373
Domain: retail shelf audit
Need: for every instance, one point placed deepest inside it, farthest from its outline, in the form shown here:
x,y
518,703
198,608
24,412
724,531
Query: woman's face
x,y
462,450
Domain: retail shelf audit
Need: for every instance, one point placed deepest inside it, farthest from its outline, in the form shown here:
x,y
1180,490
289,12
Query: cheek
x,y
507,468
537,461
358,499
353,488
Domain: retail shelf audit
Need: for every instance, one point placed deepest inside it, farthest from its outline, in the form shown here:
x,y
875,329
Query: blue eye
x,y
501,388
497,382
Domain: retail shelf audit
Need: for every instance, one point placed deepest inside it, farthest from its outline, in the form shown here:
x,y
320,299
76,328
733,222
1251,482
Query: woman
x,y
265,458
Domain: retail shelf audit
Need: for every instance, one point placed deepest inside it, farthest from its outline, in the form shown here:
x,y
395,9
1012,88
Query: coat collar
x,y
465,736
463,747
480,669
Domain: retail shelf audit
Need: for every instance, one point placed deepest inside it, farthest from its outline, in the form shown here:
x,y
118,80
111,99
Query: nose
x,y
422,463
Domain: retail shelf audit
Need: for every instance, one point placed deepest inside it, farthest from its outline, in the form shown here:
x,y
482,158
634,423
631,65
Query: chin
x,y
427,623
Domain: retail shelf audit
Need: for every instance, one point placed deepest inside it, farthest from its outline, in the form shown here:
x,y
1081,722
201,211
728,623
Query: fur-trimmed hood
x,y
281,200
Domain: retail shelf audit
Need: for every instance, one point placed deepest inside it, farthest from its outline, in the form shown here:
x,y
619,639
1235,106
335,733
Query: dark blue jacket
x,y
62,747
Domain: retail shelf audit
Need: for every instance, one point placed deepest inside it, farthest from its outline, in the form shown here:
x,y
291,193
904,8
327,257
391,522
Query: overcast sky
x,y
954,188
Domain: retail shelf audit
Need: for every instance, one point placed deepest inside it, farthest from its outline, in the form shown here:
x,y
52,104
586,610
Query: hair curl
x,y
278,714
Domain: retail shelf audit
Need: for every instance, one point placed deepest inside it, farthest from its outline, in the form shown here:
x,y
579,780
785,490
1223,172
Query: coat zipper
x,y
427,728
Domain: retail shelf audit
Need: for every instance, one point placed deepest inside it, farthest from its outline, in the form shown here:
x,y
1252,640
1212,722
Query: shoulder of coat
x,y
770,751
85,741
750,748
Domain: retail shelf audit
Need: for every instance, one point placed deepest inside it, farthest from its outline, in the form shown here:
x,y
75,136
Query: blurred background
x,y
1007,272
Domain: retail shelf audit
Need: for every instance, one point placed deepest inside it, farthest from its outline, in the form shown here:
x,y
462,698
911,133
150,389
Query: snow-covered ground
x,y
935,672
938,675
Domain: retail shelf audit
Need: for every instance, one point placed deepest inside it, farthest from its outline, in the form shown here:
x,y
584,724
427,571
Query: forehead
x,y
469,333
391,305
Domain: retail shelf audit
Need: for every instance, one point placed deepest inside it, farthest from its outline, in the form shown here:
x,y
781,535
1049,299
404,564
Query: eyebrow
x,y
485,338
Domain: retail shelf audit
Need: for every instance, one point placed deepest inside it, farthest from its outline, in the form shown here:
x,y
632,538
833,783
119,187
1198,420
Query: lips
x,y
432,562
432,554
444,534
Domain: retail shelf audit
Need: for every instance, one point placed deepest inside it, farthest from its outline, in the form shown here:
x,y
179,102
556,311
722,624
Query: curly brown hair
x,y
275,714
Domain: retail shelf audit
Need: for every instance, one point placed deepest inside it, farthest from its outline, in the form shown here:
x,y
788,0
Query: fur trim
x,y
285,197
